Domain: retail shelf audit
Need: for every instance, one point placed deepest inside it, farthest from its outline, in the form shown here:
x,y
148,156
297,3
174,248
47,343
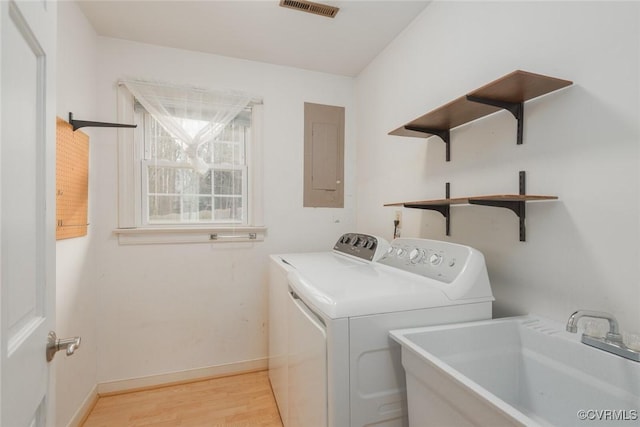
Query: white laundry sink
x,y
514,372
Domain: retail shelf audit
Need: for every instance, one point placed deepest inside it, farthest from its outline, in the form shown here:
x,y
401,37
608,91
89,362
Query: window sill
x,y
190,234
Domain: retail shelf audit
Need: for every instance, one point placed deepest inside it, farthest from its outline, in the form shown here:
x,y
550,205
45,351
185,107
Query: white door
x,y
27,209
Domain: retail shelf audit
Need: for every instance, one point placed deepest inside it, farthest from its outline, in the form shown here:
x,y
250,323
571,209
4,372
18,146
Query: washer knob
x,y
400,252
416,255
435,259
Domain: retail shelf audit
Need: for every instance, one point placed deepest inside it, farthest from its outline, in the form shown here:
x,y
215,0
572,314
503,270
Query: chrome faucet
x,y
612,342
614,332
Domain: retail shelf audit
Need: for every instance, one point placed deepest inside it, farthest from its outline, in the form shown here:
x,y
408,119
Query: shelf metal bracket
x,y
445,210
518,207
515,108
77,124
444,134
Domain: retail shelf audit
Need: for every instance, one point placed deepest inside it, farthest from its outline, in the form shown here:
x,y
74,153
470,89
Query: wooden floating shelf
x,y
469,200
508,92
517,203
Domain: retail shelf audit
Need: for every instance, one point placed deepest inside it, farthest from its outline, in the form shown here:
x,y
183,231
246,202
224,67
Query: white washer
x,y
331,361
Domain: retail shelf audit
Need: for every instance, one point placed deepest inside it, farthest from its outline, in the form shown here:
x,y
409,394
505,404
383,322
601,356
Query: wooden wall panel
x,y
72,181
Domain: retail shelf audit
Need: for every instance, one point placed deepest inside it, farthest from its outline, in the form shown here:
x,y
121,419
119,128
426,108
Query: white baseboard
x,y
121,386
83,411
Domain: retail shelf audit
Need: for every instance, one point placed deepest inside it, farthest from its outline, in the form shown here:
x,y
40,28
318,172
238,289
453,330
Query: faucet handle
x,y
614,338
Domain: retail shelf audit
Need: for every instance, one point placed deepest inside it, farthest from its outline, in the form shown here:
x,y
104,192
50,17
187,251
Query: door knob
x,y
54,345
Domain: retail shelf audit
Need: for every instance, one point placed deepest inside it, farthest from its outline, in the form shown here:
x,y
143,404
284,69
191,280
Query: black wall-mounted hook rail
x,y
515,108
444,135
77,124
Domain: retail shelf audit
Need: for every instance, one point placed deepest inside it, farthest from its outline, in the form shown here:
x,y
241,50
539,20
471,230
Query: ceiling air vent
x,y
311,7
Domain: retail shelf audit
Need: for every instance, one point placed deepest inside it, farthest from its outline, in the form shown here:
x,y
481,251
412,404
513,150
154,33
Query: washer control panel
x,y
363,246
442,261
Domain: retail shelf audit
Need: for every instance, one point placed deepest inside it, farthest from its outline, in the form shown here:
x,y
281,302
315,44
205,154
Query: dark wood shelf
x,y
508,92
469,200
514,202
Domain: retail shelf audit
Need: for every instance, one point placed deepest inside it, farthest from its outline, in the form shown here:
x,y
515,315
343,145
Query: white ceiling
x,y
260,30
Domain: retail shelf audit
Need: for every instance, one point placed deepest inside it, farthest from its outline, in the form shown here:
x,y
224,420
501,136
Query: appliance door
x,y
307,374
278,335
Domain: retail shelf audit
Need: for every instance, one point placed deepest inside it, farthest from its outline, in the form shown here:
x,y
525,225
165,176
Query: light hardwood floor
x,y
242,400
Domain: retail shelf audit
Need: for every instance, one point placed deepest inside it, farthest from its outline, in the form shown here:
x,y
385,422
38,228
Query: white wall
x,y
168,308
581,144
76,286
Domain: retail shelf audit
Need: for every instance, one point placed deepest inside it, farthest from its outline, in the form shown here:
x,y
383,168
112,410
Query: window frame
x,y
145,118
132,229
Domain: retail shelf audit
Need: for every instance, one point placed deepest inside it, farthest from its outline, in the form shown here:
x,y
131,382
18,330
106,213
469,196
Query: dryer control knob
x,y
400,252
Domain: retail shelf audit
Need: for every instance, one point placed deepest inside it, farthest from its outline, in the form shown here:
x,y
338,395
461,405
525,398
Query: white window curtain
x,y
190,115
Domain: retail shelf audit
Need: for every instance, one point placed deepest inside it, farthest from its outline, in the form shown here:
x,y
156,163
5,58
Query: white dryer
x,y
331,361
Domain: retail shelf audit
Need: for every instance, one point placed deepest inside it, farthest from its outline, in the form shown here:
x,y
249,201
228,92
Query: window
x,y
189,178
173,192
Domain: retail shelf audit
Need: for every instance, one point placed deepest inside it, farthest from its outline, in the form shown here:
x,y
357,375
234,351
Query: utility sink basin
x,y
522,371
